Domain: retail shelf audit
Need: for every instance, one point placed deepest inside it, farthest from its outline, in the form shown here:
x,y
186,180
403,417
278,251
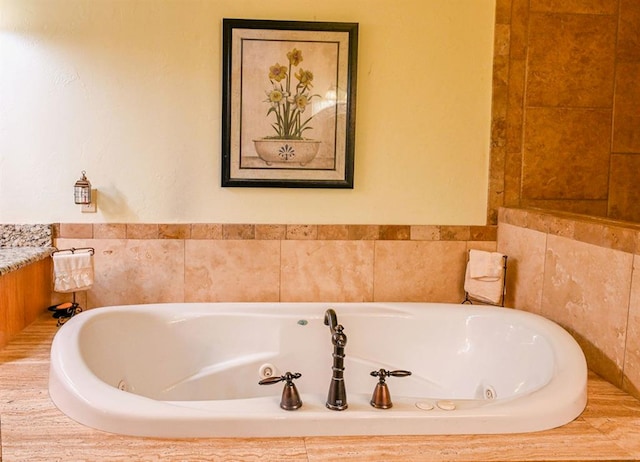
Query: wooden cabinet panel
x,y
24,294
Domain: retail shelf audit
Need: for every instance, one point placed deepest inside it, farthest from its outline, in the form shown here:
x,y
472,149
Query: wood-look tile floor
x,y
33,429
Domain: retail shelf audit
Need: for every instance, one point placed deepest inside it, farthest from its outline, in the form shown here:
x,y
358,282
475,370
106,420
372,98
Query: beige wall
x,y
130,92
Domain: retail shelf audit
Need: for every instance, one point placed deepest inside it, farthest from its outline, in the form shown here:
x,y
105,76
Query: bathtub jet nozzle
x,y
337,397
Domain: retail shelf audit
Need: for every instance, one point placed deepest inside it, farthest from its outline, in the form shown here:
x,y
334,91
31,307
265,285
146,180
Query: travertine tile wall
x,y
583,273
566,107
147,263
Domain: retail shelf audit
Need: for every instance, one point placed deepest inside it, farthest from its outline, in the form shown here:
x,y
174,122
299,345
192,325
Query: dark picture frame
x,y
288,103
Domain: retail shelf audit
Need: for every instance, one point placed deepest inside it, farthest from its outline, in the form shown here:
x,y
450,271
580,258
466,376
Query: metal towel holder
x,y
64,311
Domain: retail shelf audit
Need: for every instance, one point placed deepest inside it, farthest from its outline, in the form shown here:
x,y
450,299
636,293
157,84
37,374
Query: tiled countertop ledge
x,y
603,232
13,258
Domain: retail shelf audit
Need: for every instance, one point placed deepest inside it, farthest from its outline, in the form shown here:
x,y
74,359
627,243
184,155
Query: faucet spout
x,y
331,320
337,397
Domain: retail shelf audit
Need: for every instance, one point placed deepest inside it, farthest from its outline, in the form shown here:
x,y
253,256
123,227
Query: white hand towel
x,y
72,272
484,277
486,266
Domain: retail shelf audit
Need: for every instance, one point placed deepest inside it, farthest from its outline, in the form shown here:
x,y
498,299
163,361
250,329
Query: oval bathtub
x,y
192,370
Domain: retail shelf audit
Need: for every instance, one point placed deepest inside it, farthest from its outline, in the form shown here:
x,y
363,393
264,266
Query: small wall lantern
x,y
82,190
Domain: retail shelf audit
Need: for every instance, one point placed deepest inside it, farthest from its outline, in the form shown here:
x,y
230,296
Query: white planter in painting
x,y
288,151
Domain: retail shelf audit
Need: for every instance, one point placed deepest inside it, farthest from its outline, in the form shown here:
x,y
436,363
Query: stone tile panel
x,y
174,231
624,187
628,48
586,290
333,232
76,230
519,28
418,271
575,6
327,271
238,231
110,231
142,231
626,112
525,251
571,60
306,232
271,232
206,231
566,153
232,271
132,271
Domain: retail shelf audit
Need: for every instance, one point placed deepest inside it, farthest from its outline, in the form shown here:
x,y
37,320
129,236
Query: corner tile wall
x,y
584,274
148,263
566,107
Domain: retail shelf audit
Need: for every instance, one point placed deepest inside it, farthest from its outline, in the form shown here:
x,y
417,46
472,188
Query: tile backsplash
x,y
149,263
584,274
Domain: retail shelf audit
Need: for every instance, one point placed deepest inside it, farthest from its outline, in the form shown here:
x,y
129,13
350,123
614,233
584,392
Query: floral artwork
x,y
289,96
288,117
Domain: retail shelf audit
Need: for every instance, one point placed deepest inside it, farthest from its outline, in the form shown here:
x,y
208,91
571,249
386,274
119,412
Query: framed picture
x,y
288,113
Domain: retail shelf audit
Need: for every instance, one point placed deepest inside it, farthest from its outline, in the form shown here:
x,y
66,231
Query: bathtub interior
x,y
199,355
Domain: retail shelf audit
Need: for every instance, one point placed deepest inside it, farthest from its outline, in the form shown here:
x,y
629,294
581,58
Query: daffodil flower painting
x,y
289,96
288,112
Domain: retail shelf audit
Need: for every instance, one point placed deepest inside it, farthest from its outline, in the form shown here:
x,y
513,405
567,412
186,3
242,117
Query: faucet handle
x,y
382,374
271,380
381,398
288,377
290,397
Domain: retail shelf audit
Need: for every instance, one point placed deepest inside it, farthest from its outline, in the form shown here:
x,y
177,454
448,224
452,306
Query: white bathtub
x,y
192,370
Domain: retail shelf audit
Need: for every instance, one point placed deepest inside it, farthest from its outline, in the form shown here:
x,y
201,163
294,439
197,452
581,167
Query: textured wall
x,y
130,91
566,115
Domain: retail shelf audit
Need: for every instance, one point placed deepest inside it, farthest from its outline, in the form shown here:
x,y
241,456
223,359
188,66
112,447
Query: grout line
x,y
279,271
373,272
614,86
304,444
626,330
184,272
544,271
